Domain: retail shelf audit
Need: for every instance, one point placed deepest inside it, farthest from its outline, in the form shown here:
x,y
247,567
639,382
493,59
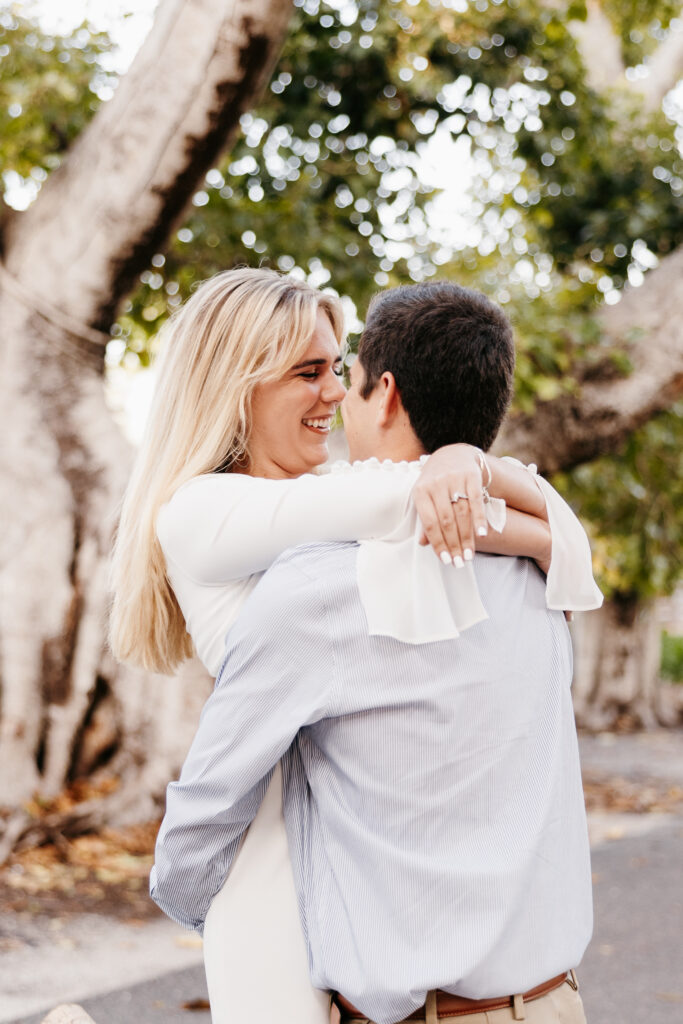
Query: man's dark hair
x,y
452,355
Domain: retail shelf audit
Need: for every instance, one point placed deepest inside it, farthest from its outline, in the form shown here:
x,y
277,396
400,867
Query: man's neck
x,y
399,450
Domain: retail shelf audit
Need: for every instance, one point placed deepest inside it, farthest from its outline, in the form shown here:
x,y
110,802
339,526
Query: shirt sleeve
x,y
268,688
222,527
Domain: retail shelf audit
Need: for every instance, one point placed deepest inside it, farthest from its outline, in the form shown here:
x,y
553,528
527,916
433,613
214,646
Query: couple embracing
x,y
382,806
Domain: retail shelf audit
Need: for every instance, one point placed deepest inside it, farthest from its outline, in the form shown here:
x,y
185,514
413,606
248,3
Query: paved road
x,y
632,973
641,756
633,970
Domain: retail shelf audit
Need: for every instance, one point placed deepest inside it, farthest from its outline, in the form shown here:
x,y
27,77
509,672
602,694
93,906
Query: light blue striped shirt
x,y
432,794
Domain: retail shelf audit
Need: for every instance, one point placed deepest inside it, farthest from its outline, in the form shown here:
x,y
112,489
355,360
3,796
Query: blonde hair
x,y
239,329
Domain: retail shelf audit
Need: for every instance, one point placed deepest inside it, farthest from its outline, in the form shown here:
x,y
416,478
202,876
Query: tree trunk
x,y
616,668
66,707
617,649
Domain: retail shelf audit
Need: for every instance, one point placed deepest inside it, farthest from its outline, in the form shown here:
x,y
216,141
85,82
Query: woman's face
x,y
291,417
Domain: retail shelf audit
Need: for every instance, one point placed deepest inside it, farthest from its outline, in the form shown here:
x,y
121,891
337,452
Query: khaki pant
x,y
561,1006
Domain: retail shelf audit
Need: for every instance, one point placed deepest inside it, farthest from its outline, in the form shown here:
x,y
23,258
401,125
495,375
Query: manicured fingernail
x,y
458,562
468,554
482,531
446,558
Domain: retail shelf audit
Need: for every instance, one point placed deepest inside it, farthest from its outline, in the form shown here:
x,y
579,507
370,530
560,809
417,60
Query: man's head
x,y
434,367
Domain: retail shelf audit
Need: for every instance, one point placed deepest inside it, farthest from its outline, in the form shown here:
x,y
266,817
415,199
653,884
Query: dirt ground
x,y
105,874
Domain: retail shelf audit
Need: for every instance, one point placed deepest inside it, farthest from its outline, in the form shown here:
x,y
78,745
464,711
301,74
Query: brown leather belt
x,y
448,1005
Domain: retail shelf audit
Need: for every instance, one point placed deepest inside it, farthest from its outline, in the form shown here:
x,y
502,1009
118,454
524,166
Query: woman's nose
x,y
334,389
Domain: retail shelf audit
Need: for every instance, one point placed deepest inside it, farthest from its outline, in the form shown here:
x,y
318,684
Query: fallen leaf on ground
x,y
626,796
104,872
189,941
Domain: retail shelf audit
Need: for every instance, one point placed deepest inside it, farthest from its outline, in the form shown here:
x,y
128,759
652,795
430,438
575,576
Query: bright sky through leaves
x,y
445,164
127,21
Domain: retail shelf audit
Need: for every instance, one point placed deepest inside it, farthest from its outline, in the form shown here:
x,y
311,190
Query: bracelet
x,y
484,466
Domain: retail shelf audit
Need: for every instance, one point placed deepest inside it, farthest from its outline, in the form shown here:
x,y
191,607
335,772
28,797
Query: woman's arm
x,y
539,523
222,527
524,535
461,469
512,481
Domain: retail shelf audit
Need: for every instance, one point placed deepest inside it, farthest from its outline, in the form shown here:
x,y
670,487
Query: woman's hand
x,y
450,525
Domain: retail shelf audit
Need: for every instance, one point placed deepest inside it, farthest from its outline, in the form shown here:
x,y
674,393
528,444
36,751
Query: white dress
x,y
219,533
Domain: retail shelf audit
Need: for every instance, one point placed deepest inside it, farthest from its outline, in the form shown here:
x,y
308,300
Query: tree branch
x,y
112,204
599,48
666,68
647,325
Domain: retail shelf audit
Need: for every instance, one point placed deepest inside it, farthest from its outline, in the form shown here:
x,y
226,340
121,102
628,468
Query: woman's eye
x,y
338,371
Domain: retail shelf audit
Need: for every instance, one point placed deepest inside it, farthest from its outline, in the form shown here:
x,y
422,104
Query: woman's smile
x,y
320,425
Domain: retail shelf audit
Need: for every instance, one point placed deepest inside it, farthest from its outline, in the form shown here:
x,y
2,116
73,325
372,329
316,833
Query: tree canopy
x,y
574,190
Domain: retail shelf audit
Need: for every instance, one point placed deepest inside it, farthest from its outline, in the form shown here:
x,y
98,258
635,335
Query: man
x,y
432,791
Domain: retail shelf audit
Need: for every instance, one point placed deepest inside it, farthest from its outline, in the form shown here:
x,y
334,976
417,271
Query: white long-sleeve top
x,y
220,532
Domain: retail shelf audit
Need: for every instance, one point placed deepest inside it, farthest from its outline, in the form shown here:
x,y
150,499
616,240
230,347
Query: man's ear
x,y
390,405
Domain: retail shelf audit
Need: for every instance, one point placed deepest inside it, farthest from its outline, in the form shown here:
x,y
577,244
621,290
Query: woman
x,y
248,386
